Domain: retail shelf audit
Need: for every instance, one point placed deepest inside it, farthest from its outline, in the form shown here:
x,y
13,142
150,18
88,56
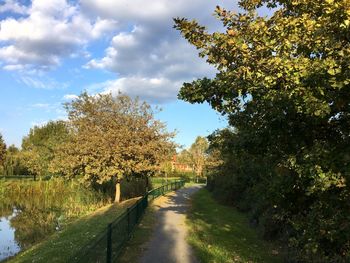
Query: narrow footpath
x,y
168,242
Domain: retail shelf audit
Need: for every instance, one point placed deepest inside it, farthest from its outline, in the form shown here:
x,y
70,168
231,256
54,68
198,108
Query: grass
x,y
71,197
61,246
159,181
220,233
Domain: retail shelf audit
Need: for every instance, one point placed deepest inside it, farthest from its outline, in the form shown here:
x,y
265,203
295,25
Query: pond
x,y
29,212
24,224
8,243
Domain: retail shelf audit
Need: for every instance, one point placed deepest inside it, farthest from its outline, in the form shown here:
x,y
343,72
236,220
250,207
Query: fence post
x,y
128,215
137,211
109,243
146,201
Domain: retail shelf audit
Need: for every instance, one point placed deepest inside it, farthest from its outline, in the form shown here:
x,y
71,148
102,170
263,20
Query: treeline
x,y
106,140
283,81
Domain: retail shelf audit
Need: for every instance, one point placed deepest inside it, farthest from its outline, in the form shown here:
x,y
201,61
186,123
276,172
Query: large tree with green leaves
x,y
113,137
40,145
284,82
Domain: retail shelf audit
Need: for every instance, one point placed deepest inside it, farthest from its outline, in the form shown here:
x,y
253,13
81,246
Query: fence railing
x,y
107,246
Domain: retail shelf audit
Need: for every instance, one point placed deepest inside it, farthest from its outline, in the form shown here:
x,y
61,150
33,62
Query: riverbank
x,y
62,245
45,207
31,211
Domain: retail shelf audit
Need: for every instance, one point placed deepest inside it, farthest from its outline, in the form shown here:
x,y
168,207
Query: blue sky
x,y
51,51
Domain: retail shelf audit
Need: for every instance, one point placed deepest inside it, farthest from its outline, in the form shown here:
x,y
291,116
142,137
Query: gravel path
x,y
168,242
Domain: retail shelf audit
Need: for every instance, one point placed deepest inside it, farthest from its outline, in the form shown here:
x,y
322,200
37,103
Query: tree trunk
x,y
117,192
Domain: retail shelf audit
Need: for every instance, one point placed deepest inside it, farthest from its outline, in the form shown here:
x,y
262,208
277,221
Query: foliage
x,y
283,81
196,156
40,145
220,233
14,163
184,157
112,138
2,150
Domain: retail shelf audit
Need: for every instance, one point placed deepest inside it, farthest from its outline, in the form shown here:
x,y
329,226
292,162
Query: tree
x,y
284,82
198,155
40,145
112,138
14,163
184,157
2,150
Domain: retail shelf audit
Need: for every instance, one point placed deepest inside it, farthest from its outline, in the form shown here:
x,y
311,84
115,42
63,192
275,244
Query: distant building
x,y
180,167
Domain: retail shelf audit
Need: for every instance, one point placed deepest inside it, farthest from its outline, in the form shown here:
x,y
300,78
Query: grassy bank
x,y
222,234
61,246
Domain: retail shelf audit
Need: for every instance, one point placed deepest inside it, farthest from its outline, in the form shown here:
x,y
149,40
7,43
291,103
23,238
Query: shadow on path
x,y
168,243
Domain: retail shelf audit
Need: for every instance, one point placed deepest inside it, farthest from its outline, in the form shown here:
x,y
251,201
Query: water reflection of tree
x,y
34,219
41,205
31,226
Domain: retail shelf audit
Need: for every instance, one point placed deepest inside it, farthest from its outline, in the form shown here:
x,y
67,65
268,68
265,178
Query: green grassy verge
x,y
61,246
220,233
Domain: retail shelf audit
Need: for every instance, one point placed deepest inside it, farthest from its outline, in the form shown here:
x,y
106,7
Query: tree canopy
x,y
14,164
283,81
198,154
40,145
112,137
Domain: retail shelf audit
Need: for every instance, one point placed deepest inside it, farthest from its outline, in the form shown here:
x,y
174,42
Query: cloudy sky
x,y
52,50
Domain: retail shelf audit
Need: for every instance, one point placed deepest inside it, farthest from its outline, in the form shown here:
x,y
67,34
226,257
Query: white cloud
x,y
14,67
41,105
70,97
52,30
152,49
42,83
153,90
149,57
13,7
39,123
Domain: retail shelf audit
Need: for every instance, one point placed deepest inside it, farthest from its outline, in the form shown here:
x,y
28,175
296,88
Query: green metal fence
x,y
107,246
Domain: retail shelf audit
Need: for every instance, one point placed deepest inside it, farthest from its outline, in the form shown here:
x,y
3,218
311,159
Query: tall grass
x,y
71,198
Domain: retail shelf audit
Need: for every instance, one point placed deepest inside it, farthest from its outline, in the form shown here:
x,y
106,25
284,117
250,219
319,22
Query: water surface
x,y
25,222
8,243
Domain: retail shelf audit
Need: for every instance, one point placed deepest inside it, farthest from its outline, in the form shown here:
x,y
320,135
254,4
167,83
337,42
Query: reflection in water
x,y
8,244
31,211
25,223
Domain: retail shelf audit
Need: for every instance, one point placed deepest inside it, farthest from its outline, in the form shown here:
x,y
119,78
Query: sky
x,y
52,50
